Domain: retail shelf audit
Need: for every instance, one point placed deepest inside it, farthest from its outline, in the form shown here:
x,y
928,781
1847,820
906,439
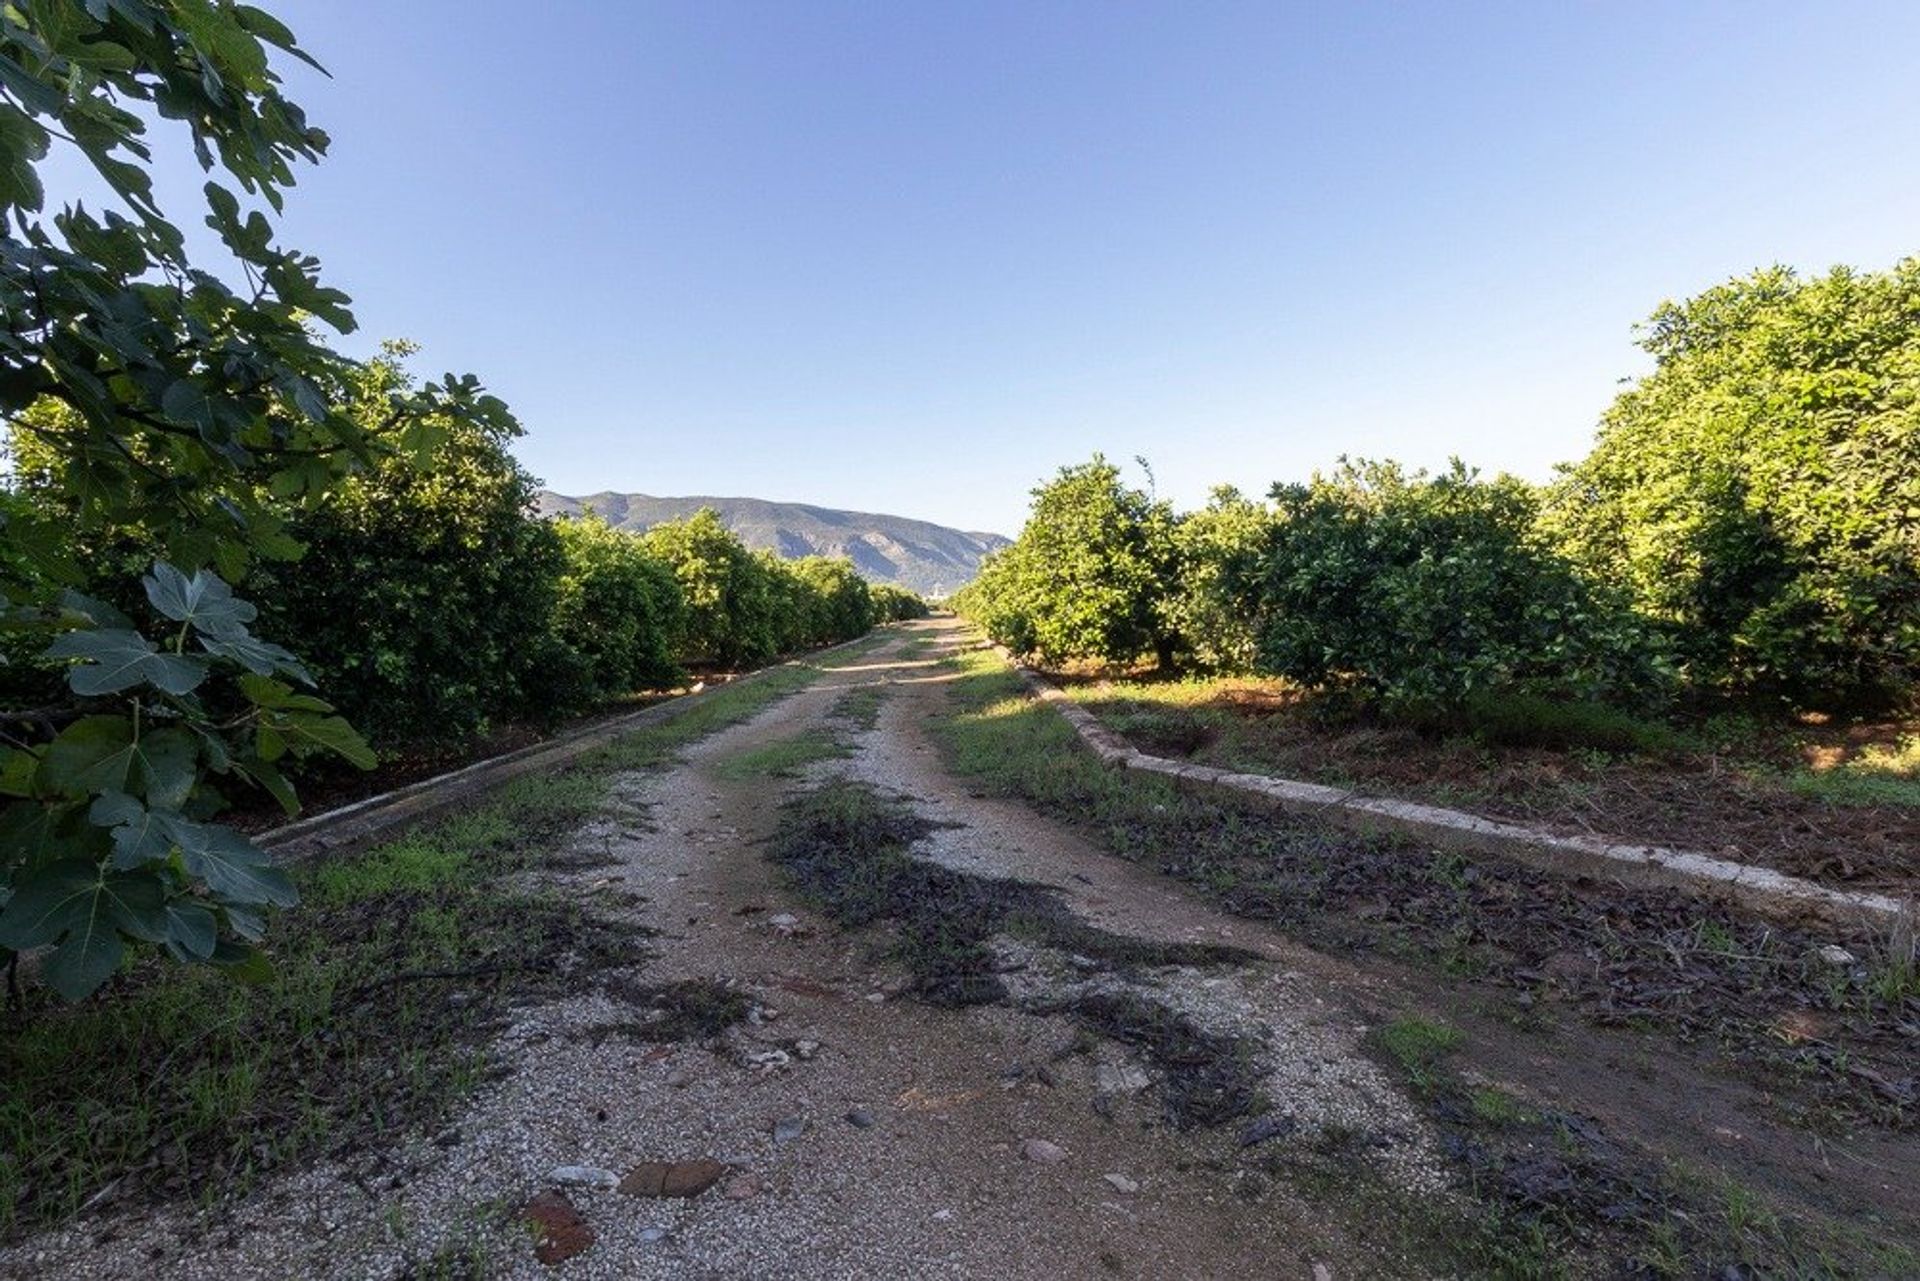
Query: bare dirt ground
x,y
865,1133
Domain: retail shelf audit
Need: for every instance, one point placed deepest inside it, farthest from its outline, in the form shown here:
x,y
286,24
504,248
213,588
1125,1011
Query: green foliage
x,y
619,610
105,838
893,604
1089,575
1219,548
1759,492
744,607
427,589
728,591
151,402
839,605
1433,590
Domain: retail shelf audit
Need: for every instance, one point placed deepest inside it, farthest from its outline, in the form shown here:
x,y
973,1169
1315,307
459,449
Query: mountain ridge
x,y
920,555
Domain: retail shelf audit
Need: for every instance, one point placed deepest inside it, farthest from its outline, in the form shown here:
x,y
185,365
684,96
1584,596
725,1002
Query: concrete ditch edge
x,y
353,827
1757,889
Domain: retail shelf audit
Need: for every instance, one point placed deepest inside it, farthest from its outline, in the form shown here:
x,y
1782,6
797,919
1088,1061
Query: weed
x,y
1418,1046
782,758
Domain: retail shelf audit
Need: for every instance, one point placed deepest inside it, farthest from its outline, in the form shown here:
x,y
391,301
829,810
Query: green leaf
x,y
204,601
85,911
90,755
308,731
139,836
192,931
259,657
114,659
272,780
264,691
100,754
232,866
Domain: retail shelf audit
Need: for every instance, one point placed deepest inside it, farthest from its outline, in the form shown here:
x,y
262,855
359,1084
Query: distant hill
x,y
915,554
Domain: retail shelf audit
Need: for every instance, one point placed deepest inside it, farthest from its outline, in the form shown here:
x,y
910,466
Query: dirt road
x,y
864,1132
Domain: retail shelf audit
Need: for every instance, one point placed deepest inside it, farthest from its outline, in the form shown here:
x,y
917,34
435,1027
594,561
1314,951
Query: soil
x,y
872,1129
1732,806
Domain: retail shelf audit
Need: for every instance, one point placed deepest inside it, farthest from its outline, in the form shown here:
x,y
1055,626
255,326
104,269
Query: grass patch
x,y
1418,1046
781,758
848,848
859,707
1887,775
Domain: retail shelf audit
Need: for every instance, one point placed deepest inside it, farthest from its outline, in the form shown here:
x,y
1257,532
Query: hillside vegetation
x,y
915,554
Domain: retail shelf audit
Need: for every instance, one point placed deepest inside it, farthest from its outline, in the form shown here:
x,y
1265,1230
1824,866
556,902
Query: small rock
x,y
1041,1152
679,1078
860,1119
1121,1078
585,1176
1834,954
742,1187
673,1178
876,997
806,1049
651,1235
789,1128
1121,1183
1321,1272
559,1232
783,921
941,1216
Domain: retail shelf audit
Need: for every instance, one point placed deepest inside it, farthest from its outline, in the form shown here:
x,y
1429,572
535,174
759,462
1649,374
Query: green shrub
x,y
893,604
1430,591
733,613
1088,578
1759,492
619,610
427,590
839,605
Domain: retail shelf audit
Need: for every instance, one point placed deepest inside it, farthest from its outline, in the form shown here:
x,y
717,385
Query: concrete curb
x,y
1756,889
354,827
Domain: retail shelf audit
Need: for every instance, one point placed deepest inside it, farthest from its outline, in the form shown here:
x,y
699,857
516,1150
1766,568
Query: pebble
x,y
1321,1272
585,1176
1121,1183
1834,954
1042,1152
860,1119
653,1234
1121,1078
742,1187
789,1128
679,1078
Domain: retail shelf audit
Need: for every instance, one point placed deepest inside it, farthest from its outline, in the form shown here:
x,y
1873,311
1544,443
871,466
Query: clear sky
x,y
910,257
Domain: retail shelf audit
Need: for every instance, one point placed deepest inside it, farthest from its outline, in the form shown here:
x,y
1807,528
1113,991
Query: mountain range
x,y
916,554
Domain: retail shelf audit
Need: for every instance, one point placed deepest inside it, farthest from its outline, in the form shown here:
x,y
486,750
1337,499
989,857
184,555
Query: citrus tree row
x,y
1747,523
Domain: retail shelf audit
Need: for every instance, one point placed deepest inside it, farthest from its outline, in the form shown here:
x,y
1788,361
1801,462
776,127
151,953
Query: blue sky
x,y
911,257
